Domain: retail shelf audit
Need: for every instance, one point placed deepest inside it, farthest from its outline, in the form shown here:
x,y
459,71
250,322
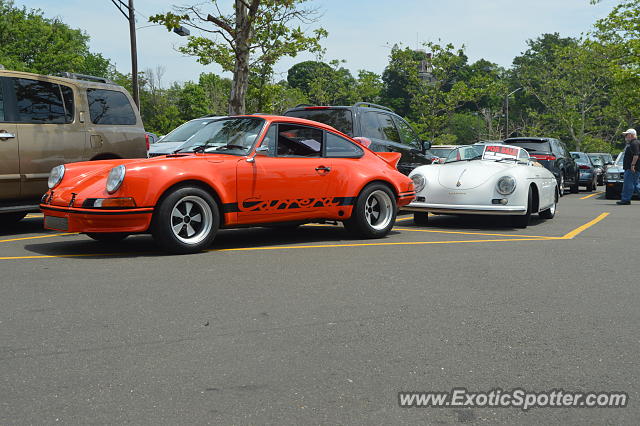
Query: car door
x,y
48,132
393,143
409,138
9,148
290,182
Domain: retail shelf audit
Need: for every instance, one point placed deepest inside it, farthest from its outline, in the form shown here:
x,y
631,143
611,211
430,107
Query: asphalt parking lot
x,y
312,327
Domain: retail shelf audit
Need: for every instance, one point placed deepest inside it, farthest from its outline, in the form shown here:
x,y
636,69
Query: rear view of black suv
x,y
387,131
553,155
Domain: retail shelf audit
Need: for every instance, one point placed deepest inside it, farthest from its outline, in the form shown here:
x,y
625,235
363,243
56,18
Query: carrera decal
x,y
253,205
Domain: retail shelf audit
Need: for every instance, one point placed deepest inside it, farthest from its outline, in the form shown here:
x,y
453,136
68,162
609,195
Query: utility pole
x,y
131,17
134,55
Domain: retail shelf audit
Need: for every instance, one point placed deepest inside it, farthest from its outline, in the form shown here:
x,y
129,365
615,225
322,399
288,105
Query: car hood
x,y
463,175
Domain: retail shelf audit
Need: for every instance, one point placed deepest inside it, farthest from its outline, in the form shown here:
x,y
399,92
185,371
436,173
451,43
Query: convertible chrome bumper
x,y
465,209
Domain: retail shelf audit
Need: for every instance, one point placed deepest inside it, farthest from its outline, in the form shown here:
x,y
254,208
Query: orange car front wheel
x,y
186,221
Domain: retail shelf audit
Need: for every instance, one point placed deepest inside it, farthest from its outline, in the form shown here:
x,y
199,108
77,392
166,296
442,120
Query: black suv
x,y
553,155
387,131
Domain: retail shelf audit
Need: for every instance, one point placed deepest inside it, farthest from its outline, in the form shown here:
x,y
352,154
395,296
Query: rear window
x,y
110,107
338,118
531,146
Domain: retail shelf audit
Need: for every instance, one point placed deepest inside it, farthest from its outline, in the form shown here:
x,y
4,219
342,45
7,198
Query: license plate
x,y
58,223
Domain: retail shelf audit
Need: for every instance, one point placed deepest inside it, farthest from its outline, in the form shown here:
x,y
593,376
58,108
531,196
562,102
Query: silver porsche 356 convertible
x,y
486,180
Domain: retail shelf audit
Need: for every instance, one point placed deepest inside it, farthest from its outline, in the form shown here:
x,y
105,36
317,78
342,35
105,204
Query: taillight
x,y
584,167
146,139
543,157
317,107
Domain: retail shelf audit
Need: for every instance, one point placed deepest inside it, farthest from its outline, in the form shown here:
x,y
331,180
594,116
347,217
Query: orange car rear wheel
x,y
374,212
186,220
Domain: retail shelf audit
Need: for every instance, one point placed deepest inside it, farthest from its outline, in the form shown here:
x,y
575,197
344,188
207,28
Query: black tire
x,y
610,195
591,186
107,237
551,211
7,219
374,212
421,218
522,221
575,187
176,213
561,184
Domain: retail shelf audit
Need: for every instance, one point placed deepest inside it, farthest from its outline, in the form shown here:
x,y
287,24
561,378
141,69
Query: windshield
x,y
620,159
229,136
338,118
596,160
185,131
463,153
440,152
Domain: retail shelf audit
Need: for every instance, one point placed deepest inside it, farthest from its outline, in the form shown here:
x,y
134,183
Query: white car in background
x,y
191,131
485,180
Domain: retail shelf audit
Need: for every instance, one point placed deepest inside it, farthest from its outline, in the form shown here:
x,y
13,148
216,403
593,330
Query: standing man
x,y
630,166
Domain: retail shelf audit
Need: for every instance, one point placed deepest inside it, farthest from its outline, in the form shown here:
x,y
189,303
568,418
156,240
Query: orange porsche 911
x,y
240,171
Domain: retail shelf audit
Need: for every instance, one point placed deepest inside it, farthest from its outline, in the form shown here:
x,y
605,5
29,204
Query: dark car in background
x,y
386,130
614,178
552,154
588,171
598,163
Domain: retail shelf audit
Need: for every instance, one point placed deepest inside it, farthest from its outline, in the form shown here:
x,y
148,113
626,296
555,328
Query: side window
x,y
371,126
67,96
523,155
110,107
299,141
270,140
39,101
407,135
388,128
342,148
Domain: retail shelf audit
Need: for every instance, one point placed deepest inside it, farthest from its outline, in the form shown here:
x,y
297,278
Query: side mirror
x,y
252,158
426,146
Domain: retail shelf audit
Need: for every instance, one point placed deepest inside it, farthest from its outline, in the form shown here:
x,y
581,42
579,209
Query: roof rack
x,y
77,76
359,104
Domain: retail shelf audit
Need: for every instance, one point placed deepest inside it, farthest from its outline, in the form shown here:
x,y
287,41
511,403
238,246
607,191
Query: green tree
x,y
256,34
31,42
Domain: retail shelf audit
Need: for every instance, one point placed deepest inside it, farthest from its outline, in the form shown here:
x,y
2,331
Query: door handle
x,y
323,168
6,135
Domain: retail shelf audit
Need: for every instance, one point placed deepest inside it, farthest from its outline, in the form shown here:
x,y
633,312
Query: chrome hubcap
x,y
191,219
378,210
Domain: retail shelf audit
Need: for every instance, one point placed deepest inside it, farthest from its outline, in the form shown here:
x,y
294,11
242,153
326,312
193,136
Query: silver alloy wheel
x,y
561,185
191,219
552,209
378,210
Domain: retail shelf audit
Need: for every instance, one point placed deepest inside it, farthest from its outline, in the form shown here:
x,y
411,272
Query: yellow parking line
x,y
567,236
578,230
404,243
592,195
39,236
470,233
404,218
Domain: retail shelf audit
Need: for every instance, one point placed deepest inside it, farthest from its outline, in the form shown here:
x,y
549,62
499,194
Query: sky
x,y
361,32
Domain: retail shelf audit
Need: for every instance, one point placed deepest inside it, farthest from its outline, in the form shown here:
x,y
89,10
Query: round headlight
x,y
506,185
55,177
419,182
116,176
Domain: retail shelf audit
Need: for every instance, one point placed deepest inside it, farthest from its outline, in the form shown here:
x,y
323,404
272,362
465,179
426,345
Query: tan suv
x,y
49,120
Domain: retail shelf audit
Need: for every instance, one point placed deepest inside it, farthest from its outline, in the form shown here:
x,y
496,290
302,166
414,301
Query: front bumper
x,y
70,219
465,209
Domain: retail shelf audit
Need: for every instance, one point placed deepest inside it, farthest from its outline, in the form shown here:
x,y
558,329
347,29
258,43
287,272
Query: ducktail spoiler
x,y
390,157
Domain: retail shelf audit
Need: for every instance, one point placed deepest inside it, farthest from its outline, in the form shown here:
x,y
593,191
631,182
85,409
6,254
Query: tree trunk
x,y
240,83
